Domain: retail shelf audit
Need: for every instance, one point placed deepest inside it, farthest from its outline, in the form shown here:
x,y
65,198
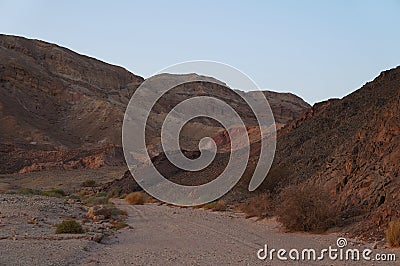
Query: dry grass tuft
x,y
89,183
138,198
393,234
218,205
258,206
120,225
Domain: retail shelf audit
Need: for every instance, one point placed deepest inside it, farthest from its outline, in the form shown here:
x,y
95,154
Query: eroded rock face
x,y
55,101
52,96
350,146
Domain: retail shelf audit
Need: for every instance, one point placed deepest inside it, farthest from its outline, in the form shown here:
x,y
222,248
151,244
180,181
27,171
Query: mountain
x,y
54,97
350,146
62,109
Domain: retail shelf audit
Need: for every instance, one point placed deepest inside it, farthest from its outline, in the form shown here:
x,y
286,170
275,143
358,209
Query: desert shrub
x,y
120,225
89,183
101,194
258,206
82,193
306,208
69,227
74,196
115,192
393,234
115,212
210,205
105,211
218,205
55,192
101,212
139,197
97,199
276,178
29,191
136,198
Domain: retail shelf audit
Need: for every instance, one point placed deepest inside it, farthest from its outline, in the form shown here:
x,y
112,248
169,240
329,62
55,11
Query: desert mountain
x,y
62,109
52,96
351,147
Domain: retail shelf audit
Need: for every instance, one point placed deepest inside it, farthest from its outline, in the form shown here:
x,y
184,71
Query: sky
x,y
315,49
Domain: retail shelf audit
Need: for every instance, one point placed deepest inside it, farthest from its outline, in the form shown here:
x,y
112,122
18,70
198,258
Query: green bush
x,y
69,227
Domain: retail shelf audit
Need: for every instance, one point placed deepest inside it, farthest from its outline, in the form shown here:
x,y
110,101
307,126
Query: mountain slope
x,y
53,99
52,96
351,147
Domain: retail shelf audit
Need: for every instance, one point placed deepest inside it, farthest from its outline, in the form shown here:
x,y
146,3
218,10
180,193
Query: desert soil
x,y
27,230
164,235
156,235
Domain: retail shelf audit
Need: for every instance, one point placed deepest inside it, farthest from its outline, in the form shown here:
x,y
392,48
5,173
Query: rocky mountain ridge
x,y
53,99
351,147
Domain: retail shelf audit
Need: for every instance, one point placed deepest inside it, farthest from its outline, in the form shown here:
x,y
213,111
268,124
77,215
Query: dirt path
x,y
162,235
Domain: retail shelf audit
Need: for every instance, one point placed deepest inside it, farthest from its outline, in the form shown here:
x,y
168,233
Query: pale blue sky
x,y
315,49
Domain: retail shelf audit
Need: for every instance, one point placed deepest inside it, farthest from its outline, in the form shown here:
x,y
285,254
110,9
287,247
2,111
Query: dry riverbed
x,y
156,235
163,235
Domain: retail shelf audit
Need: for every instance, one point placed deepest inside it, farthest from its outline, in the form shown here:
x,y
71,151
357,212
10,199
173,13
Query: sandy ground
x,y
163,235
156,235
27,231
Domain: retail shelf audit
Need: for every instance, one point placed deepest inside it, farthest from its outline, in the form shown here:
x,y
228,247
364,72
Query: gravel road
x,y
163,235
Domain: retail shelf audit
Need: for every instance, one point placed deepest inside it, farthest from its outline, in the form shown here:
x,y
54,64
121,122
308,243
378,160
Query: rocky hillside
x,y
351,147
53,99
